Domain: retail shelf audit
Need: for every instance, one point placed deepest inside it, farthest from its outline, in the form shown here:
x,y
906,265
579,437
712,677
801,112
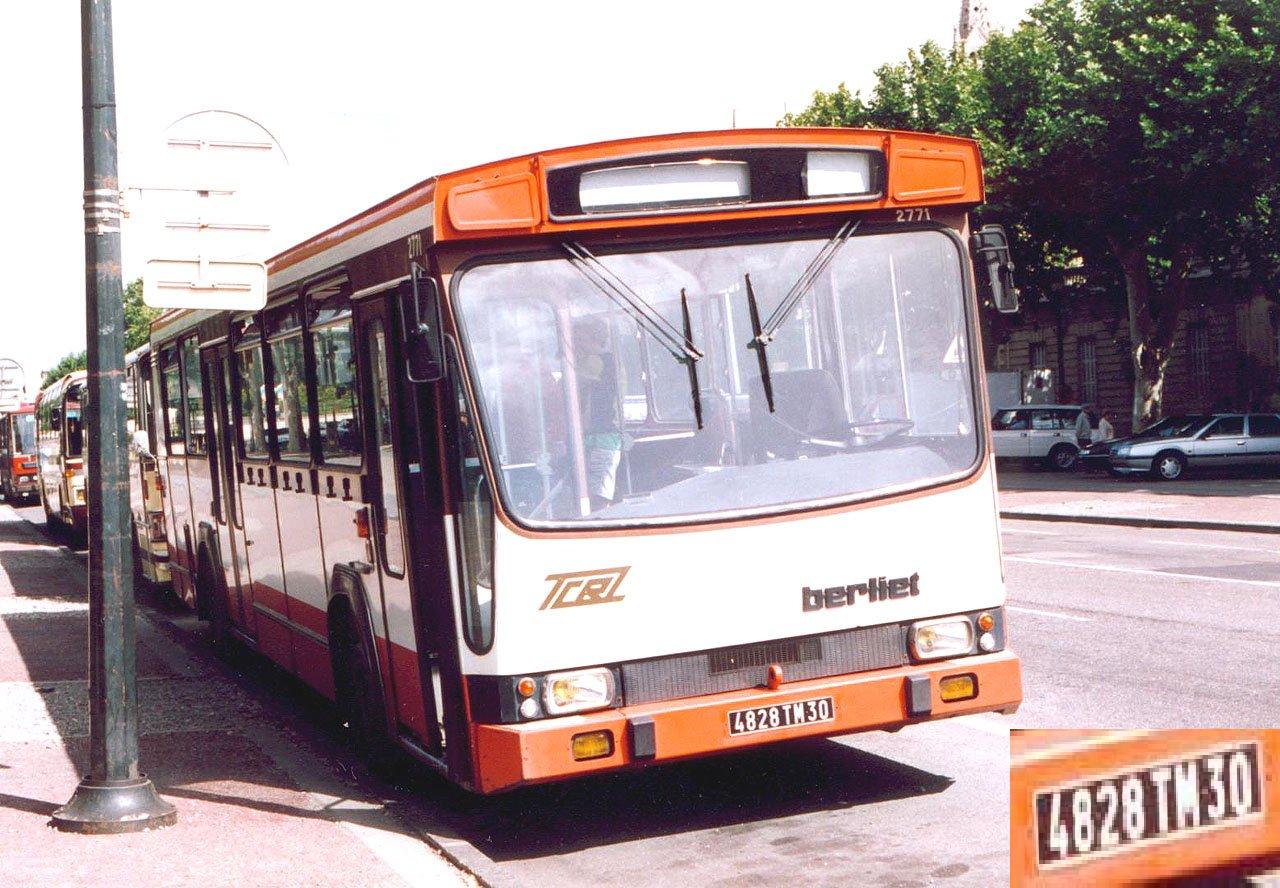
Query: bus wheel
x,y
140,581
212,603
356,690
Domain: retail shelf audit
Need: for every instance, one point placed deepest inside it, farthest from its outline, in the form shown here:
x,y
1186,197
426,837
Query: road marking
x,y
1046,533
1111,568
1208,545
1045,613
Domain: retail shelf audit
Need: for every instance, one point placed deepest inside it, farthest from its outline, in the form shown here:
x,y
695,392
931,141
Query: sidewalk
x,y
260,801
1248,503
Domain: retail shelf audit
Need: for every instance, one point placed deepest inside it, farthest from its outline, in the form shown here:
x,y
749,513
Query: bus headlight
x,y
947,637
577,691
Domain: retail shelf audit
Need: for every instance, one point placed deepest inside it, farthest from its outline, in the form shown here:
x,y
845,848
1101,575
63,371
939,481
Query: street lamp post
x,y
114,797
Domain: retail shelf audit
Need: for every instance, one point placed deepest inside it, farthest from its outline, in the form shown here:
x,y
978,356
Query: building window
x,y
1199,336
1087,352
1039,357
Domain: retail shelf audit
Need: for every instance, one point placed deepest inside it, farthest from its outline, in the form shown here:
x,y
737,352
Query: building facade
x,y
1226,355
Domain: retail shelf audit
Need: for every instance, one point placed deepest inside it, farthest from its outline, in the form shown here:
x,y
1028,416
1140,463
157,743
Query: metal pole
x,y
114,797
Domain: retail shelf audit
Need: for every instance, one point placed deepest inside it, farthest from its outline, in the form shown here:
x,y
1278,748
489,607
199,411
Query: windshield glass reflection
x,y
591,420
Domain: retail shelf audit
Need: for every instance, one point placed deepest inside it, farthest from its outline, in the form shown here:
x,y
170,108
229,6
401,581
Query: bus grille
x,y
745,666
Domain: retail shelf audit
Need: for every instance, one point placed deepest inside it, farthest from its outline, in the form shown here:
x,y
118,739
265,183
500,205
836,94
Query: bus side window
x,y
340,436
292,411
175,427
475,522
387,471
251,401
197,443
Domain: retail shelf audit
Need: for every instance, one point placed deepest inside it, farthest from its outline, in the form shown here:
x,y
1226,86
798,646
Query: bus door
x,y
402,525
226,507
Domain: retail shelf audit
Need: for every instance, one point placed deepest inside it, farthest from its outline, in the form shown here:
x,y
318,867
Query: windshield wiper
x,y
762,335
758,344
679,343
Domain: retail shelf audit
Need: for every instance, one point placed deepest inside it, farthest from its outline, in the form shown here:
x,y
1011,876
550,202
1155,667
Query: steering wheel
x,y
902,426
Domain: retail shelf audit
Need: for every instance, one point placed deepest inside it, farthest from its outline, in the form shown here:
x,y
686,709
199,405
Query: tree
x,y
1140,135
137,319
68,364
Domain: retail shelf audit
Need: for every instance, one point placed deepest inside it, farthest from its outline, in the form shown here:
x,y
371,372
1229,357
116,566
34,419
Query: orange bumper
x,y
1042,760
511,755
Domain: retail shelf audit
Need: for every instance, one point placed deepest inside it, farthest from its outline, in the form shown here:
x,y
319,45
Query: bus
x,y
60,453
18,454
611,455
1143,807
146,485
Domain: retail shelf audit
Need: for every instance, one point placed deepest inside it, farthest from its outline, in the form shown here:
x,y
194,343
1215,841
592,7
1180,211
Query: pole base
x,y
114,806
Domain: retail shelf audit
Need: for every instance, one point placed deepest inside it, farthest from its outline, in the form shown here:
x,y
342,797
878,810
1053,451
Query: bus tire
x,y
140,581
357,688
211,600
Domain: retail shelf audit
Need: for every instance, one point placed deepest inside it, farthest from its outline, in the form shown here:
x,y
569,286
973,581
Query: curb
x,y
1125,521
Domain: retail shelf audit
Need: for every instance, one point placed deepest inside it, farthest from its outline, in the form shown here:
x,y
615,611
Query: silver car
x,y
1167,449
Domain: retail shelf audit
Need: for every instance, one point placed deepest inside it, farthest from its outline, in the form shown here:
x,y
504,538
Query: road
x,y
924,807
1132,627
1117,627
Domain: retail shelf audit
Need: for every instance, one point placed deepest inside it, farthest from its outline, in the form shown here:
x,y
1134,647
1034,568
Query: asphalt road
x,y
927,806
1124,627
1117,627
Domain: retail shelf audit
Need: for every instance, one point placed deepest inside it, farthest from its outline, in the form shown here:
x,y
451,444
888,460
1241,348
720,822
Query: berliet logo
x,y
874,589
584,587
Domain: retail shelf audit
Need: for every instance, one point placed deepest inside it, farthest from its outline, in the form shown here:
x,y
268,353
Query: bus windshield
x,y
591,420
24,433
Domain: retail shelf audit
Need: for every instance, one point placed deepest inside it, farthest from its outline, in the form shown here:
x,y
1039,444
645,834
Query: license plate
x,y
1155,803
781,715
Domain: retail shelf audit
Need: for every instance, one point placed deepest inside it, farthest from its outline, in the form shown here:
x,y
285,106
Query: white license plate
x,y
1154,803
781,715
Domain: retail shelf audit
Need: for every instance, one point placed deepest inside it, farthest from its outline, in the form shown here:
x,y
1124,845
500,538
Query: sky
x,y
368,98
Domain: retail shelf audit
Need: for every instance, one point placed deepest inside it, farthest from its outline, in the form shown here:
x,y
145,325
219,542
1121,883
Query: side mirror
x,y
423,332
55,419
994,268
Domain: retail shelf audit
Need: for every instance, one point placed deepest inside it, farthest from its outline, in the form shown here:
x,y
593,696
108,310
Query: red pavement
x,y
258,804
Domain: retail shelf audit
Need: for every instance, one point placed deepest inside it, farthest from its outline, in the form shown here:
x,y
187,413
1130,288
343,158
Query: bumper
x,y
1045,760
1094,461
512,755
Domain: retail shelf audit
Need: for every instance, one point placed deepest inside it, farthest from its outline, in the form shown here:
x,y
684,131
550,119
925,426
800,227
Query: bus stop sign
x,y
207,211
205,283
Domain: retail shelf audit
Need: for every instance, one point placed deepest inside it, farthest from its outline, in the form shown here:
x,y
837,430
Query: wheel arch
x,y
349,599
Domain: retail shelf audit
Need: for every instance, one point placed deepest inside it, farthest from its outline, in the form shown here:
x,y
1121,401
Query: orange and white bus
x,y
146,486
610,455
1143,807
60,453
18,454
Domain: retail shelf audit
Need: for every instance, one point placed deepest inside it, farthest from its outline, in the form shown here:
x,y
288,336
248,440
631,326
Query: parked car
x,y
1044,432
1203,440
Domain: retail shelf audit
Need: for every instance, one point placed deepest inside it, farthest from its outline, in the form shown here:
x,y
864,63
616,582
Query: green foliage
x,y
137,317
137,321
74,361
1135,135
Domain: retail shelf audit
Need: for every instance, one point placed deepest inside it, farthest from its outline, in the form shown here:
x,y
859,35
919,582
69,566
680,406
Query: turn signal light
x,y
958,687
986,622
594,745
362,523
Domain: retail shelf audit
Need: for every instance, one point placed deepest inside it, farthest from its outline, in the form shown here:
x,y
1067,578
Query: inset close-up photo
x,y
1144,807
